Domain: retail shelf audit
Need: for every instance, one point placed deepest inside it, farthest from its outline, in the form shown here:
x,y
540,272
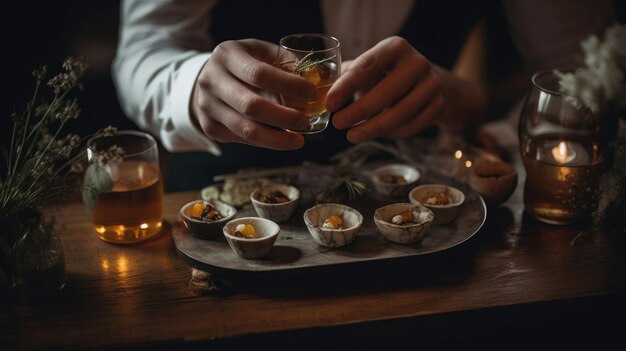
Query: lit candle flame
x,y
458,154
563,154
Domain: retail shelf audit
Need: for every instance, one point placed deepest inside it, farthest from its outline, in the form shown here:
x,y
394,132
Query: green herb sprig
x,y
306,62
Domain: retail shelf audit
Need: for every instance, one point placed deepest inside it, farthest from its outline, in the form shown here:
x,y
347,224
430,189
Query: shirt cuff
x,y
184,135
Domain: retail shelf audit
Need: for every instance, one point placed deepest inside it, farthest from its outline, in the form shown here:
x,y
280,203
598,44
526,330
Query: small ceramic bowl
x,y
494,180
409,233
203,229
443,213
314,219
279,212
265,230
410,174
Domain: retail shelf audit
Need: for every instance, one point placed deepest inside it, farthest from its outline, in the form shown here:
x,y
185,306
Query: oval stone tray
x,y
296,249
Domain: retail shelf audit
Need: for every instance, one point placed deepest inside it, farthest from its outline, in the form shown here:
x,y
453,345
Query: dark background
x,y
45,32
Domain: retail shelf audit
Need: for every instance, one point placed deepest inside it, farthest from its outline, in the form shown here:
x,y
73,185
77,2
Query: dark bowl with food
x,y
205,219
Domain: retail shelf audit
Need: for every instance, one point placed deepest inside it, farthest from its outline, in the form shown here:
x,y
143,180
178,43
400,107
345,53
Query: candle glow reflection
x,y
562,153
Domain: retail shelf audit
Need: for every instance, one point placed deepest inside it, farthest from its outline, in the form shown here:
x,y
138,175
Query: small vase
x,y
564,149
41,261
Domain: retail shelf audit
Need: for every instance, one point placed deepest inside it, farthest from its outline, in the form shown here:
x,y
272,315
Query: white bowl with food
x,y
333,225
443,200
276,202
395,179
205,219
251,237
403,223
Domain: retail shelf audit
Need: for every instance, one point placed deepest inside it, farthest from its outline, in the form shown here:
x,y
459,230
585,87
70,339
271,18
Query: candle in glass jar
x,y
561,177
562,153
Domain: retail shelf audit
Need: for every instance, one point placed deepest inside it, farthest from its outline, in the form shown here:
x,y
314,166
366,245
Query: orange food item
x,y
438,199
197,209
407,216
245,231
333,222
205,212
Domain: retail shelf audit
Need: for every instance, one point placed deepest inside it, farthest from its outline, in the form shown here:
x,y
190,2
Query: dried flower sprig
x,y
40,161
601,84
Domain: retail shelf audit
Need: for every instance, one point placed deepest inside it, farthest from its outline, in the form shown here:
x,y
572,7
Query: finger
x,y
248,102
262,74
384,94
218,132
254,133
370,64
426,117
395,116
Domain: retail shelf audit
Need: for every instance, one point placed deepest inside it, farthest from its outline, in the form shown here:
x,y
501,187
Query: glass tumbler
x,y
133,210
316,57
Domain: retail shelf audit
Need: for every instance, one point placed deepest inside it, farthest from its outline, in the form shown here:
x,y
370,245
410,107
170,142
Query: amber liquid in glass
x,y
133,211
559,193
323,76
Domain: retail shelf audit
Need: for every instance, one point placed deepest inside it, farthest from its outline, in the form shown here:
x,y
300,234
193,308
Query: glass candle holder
x,y
563,151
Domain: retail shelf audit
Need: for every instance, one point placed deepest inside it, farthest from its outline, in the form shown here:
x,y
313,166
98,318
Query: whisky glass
x,y
133,210
317,58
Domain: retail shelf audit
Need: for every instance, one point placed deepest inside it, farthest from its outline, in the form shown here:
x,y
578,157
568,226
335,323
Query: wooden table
x,y
516,283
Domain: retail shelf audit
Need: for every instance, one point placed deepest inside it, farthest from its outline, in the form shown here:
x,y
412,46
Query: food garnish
x,y
405,216
393,179
205,212
438,199
409,217
274,197
245,231
332,222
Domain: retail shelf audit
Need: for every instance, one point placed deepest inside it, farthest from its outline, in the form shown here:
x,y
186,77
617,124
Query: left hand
x,y
398,93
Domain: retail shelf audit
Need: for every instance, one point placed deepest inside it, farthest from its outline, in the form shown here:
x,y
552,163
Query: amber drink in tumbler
x,y
317,58
133,210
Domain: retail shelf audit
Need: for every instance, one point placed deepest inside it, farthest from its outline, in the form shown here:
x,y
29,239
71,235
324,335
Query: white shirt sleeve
x,y
163,46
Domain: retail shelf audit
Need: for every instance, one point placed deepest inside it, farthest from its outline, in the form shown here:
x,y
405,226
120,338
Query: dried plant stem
x,y
306,63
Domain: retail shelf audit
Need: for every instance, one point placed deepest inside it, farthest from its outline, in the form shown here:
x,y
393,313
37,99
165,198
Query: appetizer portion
x,y
395,179
408,217
438,199
245,231
205,212
274,197
332,222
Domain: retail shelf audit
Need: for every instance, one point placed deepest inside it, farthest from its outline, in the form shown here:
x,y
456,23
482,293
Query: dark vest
x,y
435,28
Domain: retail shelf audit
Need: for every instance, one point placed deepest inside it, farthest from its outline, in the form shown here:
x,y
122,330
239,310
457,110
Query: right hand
x,y
232,98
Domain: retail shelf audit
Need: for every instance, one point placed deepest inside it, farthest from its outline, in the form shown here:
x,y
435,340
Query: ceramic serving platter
x,y
295,248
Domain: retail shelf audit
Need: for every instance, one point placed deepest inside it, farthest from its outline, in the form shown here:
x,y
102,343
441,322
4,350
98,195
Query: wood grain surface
x,y
516,280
